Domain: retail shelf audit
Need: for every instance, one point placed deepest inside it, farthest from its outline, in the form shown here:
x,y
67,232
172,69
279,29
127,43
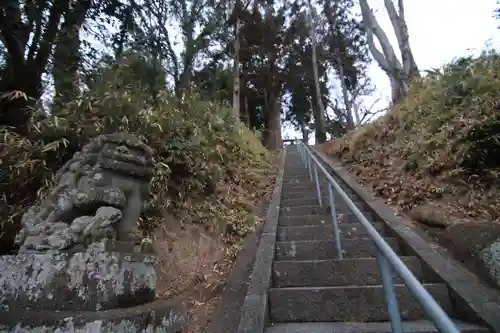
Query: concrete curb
x,y
254,311
227,315
471,299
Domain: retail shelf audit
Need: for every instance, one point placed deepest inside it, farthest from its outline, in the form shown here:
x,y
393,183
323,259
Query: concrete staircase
x,y
314,292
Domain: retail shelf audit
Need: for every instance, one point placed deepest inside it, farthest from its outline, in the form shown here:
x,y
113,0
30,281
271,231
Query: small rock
x,y
491,258
477,243
431,215
469,238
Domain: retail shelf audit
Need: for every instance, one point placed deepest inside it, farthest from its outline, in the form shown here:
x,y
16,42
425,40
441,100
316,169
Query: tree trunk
x,y
305,133
274,140
67,55
347,99
16,111
320,114
399,74
355,110
401,31
236,68
245,115
27,59
183,86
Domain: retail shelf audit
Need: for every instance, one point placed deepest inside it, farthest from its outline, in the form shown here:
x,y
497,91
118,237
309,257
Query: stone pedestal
x,y
82,265
97,287
92,280
158,316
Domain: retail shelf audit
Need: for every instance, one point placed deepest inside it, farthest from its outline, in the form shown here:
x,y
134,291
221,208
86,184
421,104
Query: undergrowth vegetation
x,y
439,144
209,169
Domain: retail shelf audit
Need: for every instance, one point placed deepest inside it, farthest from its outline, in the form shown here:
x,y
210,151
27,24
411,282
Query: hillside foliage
x,y
439,144
209,168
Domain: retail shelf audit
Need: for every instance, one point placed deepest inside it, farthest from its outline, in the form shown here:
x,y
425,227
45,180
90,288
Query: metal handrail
x,y
386,257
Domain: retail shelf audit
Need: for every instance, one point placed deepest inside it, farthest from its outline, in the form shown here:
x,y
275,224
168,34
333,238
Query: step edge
x,y
396,285
348,326
403,258
329,226
329,241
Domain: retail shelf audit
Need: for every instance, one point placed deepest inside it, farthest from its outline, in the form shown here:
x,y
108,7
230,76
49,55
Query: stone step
x,y
352,303
302,200
302,176
312,197
359,203
304,179
335,272
294,221
286,211
316,209
303,186
301,194
417,326
294,163
314,291
320,250
297,221
296,173
348,217
295,167
300,183
323,232
297,181
312,187
305,201
285,193
289,175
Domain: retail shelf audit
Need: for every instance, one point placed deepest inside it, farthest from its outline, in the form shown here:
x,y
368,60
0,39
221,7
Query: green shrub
x,y
199,151
446,131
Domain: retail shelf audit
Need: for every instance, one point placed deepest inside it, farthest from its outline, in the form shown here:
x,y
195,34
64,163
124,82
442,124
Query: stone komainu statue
x,y
99,193
78,268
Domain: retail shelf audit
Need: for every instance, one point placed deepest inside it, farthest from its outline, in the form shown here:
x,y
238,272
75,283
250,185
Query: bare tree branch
x,y
399,74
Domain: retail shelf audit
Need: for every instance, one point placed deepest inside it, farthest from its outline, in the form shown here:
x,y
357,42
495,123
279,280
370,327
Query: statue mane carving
x,y
99,193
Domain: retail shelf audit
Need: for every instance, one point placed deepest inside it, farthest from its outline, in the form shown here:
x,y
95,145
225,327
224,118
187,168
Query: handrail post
x,y
333,212
309,167
318,189
390,294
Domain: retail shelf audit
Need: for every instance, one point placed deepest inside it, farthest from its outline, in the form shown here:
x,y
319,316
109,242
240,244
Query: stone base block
x,y
95,279
159,316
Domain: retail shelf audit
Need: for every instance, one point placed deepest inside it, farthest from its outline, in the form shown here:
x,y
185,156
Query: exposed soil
x,y
194,269
196,264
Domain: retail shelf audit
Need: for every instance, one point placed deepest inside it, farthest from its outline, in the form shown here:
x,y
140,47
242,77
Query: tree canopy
x,y
253,55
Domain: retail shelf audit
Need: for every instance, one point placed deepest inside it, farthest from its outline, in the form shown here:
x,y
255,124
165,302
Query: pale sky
x,y
440,30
